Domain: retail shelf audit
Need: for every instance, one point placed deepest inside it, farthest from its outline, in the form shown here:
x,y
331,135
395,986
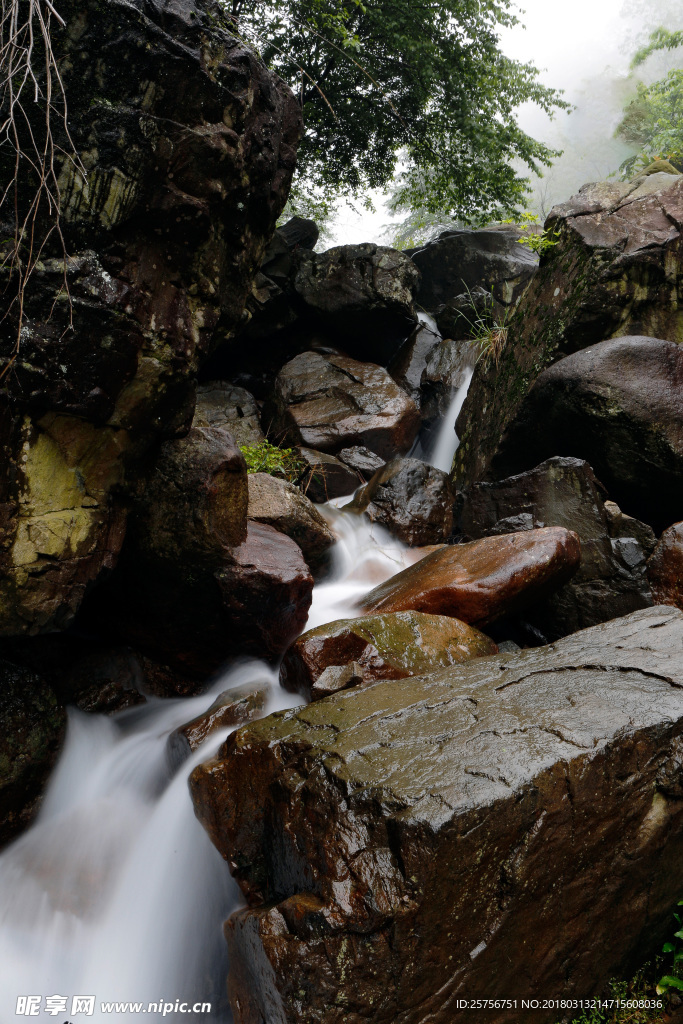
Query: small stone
x,y
232,707
335,678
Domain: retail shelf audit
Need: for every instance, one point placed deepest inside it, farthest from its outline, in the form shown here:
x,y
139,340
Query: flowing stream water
x,y
116,891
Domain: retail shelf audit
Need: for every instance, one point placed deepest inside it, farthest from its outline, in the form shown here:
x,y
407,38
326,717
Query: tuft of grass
x,y
265,457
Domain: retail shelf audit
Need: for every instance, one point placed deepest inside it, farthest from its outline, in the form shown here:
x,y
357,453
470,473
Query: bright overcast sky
x,y
566,40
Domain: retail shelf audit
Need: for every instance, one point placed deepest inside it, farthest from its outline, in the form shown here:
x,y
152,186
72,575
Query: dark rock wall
x,y
189,146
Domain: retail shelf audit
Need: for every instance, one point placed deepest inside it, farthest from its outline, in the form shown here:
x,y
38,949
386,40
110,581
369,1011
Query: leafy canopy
x,y
653,121
423,79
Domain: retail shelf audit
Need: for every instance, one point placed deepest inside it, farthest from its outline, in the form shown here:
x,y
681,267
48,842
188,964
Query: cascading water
x,y
116,891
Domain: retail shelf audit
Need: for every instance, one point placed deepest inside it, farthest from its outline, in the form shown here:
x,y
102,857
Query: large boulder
x,y
619,406
612,272
282,505
189,143
491,259
390,646
508,827
363,295
330,402
196,615
483,580
665,568
195,499
32,727
197,582
611,580
413,500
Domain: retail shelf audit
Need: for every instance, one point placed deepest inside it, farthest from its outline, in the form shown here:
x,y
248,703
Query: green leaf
x,y
667,982
668,947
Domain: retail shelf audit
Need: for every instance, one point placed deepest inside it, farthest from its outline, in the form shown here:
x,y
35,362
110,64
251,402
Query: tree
x,y
421,78
653,120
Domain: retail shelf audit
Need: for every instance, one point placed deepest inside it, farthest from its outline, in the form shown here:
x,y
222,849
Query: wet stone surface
x,y
511,826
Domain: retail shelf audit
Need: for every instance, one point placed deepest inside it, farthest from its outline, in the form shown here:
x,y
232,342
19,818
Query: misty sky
x,y
574,44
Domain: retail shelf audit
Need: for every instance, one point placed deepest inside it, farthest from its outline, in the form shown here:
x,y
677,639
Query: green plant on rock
x,y
265,457
673,980
488,329
538,241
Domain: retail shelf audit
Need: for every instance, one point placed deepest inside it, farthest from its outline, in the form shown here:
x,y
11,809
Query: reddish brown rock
x,y
390,646
232,707
511,826
665,568
480,581
266,590
330,402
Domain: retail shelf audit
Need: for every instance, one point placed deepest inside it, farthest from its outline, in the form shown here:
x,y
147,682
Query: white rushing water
x,y
447,440
116,892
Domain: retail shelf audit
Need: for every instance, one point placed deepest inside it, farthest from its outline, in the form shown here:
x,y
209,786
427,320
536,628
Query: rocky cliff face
x,y
189,145
615,271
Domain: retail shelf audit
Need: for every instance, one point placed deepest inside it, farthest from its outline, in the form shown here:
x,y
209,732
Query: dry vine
x,y
29,74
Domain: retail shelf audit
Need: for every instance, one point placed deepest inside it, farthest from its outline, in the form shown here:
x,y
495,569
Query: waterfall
x,y
446,444
116,891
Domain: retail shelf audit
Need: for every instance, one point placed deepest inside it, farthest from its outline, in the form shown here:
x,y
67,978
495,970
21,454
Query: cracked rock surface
x,y
511,826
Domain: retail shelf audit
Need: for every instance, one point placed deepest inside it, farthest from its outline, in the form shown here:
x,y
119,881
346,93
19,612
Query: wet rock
x,y
490,259
412,500
272,304
625,527
326,477
480,581
619,406
333,402
665,568
612,273
230,408
103,681
236,706
282,505
61,522
32,727
409,363
95,676
189,145
362,460
335,678
363,294
460,318
390,646
195,499
447,369
405,845
195,615
611,579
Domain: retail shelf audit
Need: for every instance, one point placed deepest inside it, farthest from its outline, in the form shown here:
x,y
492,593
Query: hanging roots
x,y
32,102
